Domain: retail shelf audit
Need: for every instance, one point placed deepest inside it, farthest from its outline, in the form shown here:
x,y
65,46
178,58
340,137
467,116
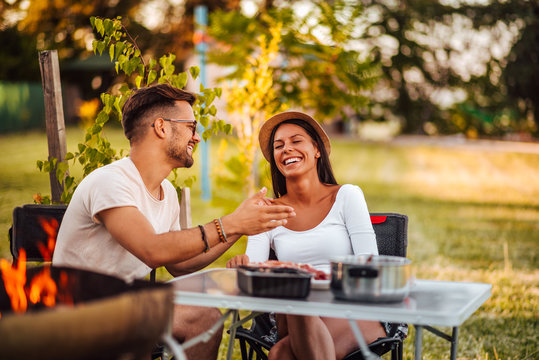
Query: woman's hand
x,y
237,261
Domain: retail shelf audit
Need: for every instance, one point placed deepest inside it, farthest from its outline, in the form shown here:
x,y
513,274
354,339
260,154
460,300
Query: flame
x,y
42,288
64,296
51,229
14,279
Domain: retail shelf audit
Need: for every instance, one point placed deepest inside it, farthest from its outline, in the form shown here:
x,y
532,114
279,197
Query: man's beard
x,y
179,153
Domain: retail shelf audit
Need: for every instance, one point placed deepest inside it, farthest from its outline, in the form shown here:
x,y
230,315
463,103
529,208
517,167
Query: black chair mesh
x,y
27,230
391,235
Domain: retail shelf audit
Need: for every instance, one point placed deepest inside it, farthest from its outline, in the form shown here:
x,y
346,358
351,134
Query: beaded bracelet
x,y
203,232
223,230
220,231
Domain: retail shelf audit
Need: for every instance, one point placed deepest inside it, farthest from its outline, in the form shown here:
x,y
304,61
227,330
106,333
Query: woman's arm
x,y
358,222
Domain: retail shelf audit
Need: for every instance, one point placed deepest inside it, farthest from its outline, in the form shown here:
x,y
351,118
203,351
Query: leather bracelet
x,y
222,237
203,232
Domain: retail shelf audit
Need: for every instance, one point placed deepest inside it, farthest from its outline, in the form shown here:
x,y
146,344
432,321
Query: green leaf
x,y
102,118
152,75
108,26
218,92
81,147
120,47
68,182
181,80
69,156
111,52
99,26
228,129
138,80
206,134
152,63
94,45
117,106
194,71
61,170
210,98
204,121
92,21
100,47
96,129
39,164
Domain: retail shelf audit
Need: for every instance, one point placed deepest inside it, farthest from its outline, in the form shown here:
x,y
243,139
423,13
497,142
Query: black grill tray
x,y
274,282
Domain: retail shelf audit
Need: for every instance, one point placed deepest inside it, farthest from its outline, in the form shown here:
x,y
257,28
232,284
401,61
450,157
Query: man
x,y
123,219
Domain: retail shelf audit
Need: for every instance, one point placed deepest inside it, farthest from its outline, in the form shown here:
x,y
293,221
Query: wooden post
x,y
54,115
185,208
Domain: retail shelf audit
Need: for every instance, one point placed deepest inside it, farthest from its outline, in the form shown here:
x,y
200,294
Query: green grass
x,y
473,216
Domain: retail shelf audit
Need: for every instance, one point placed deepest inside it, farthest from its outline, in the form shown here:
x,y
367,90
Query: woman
x,y
331,220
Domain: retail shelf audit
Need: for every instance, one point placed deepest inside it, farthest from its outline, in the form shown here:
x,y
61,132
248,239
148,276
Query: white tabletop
x,y
435,303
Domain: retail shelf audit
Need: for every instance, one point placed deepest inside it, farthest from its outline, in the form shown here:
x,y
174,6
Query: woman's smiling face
x,y
294,150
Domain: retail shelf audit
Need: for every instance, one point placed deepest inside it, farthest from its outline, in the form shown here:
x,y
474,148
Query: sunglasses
x,y
194,122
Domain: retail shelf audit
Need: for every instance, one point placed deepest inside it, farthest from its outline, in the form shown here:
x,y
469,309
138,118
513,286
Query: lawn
x,y
473,216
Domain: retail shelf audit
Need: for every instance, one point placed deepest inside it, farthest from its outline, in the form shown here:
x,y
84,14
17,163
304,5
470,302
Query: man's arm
x,y
182,251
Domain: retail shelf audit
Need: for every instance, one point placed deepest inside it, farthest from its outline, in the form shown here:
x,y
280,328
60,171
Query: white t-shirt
x,y
84,242
346,230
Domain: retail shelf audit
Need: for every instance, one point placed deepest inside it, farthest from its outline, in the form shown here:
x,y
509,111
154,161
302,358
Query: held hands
x,y
237,261
257,214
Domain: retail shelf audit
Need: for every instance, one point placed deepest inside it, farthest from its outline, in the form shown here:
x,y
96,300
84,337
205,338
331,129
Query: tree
x,y
63,25
424,51
250,101
316,68
424,62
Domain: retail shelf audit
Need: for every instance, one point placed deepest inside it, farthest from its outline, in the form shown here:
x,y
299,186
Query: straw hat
x,y
265,132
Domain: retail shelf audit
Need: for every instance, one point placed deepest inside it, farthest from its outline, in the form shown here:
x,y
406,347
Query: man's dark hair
x,y
323,167
145,101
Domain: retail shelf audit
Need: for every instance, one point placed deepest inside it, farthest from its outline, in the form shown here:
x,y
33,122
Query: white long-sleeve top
x,y
346,230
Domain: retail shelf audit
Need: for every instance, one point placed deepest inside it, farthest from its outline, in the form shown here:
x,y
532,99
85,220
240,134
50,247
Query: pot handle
x,y
363,272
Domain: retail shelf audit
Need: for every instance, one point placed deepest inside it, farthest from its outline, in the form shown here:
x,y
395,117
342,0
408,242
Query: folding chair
x,y
33,226
392,239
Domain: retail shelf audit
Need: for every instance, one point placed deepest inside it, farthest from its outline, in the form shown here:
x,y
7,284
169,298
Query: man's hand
x,y
255,215
237,261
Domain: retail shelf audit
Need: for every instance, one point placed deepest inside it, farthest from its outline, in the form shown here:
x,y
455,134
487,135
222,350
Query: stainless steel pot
x,y
367,278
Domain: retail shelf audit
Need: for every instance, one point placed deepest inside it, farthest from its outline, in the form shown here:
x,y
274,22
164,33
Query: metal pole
x,y
418,341
454,343
201,22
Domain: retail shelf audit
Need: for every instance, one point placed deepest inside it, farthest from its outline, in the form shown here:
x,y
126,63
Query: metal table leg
x,y
418,341
454,343
230,350
365,351
453,338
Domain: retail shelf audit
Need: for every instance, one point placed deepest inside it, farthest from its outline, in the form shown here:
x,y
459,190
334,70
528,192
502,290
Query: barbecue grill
x,y
96,316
